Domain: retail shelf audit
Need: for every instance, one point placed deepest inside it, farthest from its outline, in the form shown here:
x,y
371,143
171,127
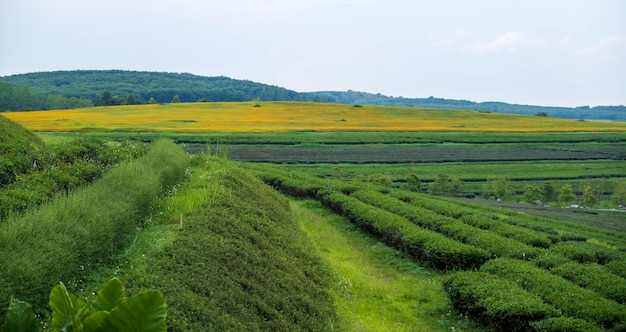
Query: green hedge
x,y
565,324
66,238
424,245
617,266
518,233
585,252
241,263
496,245
421,217
594,277
472,216
566,296
496,302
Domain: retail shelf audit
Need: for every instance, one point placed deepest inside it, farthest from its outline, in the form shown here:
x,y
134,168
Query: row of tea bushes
x,y
594,277
502,304
69,236
429,247
496,245
495,301
571,299
543,300
526,231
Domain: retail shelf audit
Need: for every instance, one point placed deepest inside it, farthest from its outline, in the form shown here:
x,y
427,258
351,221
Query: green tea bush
x,y
496,245
68,237
424,245
617,266
240,263
421,217
573,300
496,302
594,277
585,252
522,234
565,324
474,218
549,260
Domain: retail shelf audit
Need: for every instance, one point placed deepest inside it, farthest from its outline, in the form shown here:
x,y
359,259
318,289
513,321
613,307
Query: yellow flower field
x,y
290,116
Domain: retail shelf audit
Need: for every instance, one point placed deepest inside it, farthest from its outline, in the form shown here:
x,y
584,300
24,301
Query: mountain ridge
x,y
162,87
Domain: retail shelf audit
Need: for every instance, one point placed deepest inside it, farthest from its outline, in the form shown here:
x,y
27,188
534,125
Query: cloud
x,y
510,41
607,48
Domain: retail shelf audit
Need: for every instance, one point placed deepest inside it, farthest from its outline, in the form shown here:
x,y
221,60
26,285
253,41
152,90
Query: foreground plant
x,y
111,310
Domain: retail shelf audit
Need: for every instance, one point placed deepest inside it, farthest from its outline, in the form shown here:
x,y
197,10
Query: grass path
x,y
376,288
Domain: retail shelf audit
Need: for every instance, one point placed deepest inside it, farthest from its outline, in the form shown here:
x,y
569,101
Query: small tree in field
x,y
445,185
496,186
413,183
176,99
566,194
549,193
589,197
532,194
619,193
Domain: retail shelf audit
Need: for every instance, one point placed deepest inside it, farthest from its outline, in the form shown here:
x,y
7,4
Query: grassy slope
x,y
240,262
15,134
291,116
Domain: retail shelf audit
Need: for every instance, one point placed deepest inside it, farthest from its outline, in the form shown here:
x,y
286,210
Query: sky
x,y
535,52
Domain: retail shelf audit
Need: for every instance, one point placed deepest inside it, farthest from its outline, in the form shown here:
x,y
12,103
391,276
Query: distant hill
x,y
89,85
612,113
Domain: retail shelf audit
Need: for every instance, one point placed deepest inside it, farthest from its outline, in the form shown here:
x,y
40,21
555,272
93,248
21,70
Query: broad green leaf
x,y
68,311
143,312
20,318
111,294
94,320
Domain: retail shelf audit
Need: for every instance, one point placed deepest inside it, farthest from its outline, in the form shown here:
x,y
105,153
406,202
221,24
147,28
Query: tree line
x,y
19,97
497,187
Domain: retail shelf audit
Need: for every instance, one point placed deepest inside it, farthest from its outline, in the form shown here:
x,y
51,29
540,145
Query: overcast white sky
x,y
540,52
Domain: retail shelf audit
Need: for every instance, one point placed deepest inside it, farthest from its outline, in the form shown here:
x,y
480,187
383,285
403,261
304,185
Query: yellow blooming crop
x,y
290,116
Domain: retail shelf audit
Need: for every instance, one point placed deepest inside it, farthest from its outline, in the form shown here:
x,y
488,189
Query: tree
x,y
152,101
132,100
619,193
532,194
413,183
176,99
496,186
445,185
106,99
548,192
589,197
566,194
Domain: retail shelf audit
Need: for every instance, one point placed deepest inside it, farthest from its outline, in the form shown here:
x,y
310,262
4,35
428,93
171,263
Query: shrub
x,y
585,252
617,266
63,239
564,295
496,302
496,245
241,263
424,245
596,278
565,324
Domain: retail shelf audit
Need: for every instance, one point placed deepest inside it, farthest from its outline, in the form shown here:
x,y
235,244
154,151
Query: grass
x,y
290,117
375,287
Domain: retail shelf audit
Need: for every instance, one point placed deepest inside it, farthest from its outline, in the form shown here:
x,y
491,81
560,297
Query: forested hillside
x,y
83,88
612,113
162,87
